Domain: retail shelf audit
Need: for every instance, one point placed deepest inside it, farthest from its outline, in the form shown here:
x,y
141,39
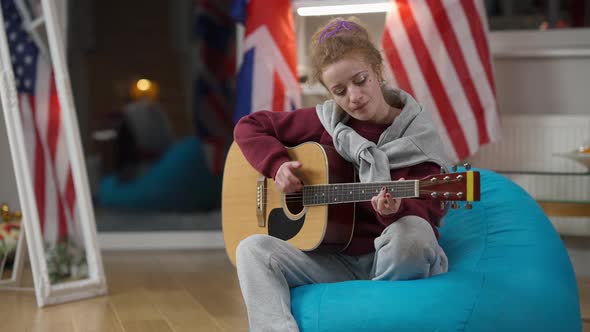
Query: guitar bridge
x,y
261,200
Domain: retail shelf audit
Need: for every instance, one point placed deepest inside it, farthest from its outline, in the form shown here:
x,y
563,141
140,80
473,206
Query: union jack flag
x,y
41,116
267,79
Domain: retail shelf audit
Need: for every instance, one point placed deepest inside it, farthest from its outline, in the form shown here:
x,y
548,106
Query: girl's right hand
x,y
286,179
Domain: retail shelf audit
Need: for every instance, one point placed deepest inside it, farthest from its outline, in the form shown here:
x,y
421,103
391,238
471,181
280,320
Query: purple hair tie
x,y
340,25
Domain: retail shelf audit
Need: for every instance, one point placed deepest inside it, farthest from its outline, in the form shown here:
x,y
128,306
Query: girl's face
x,y
355,87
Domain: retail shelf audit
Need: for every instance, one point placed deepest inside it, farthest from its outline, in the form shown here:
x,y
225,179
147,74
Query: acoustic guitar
x,y
321,216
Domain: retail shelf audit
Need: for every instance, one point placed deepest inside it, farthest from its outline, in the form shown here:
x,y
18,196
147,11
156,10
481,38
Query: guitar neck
x,y
357,192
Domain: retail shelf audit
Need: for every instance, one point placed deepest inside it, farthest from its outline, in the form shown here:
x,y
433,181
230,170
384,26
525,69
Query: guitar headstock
x,y
458,186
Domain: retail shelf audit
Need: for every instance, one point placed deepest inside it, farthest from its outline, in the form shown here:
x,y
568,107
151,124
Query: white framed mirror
x,y
46,154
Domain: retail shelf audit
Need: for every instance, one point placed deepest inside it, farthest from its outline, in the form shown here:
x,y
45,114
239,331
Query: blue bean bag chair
x,y
508,271
180,180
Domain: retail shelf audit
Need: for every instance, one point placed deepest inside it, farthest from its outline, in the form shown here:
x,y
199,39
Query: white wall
x,y
543,85
542,71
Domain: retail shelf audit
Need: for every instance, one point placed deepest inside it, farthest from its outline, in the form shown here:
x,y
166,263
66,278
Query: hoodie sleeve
x,y
428,209
262,136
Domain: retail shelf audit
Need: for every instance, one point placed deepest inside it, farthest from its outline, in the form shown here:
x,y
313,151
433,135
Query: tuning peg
x,y
442,170
467,166
468,206
454,168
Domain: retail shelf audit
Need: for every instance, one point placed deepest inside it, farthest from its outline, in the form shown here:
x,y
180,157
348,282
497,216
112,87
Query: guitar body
x,y
251,204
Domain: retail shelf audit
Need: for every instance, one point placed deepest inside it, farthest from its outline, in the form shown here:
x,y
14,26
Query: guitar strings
x,y
391,187
395,185
390,184
299,197
404,187
354,190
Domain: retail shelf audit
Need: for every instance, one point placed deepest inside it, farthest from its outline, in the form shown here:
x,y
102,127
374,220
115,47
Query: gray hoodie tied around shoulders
x,y
411,138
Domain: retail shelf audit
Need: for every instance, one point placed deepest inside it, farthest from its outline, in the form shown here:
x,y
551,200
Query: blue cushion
x,y
180,180
508,270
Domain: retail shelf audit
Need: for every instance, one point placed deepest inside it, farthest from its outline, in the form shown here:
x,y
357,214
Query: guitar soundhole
x,y
294,203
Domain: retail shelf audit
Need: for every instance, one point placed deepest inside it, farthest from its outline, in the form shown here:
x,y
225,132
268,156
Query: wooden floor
x,y
148,292
159,292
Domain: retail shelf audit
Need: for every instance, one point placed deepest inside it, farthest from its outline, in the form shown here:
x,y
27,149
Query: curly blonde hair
x,y
341,38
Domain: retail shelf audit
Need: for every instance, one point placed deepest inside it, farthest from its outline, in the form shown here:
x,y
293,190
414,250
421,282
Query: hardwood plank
x,y
155,325
18,310
54,318
183,312
179,275
221,298
96,315
134,305
218,297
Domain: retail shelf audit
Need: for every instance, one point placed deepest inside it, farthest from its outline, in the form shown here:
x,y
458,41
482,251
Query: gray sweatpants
x,y
268,267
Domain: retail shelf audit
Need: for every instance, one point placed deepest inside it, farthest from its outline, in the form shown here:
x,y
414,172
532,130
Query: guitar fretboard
x,y
356,192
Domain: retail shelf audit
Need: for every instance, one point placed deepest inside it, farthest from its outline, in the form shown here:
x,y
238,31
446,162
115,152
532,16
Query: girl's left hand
x,y
385,204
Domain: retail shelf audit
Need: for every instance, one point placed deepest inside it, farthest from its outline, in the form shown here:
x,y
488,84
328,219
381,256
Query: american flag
x,y
267,79
213,33
43,131
437,50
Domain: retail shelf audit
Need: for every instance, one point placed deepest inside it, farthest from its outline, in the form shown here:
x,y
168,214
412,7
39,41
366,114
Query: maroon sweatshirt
x,y
262,137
